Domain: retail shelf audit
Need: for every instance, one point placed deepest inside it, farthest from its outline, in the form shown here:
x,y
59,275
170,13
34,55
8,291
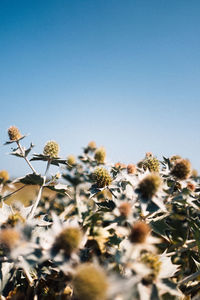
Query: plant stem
x,y
26,159
13,192
32,213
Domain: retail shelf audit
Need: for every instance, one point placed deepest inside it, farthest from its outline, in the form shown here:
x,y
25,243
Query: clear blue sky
x,y
125,73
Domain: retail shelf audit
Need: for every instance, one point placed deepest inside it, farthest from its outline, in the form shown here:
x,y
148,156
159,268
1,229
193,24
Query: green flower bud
x,y
51,149
71,160
102,177
100,155
69,240
149,185
90,283
14,133
151,163
181,169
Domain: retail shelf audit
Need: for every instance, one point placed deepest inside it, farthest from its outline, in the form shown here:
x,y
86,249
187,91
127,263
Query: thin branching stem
x,y
26,159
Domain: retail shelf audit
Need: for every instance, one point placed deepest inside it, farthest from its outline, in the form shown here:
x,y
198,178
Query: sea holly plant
x,y
97,230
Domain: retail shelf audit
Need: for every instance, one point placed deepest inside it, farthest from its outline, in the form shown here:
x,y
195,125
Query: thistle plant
x,y
98,231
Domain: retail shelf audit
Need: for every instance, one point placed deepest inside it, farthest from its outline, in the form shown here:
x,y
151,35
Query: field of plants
x,y
99,231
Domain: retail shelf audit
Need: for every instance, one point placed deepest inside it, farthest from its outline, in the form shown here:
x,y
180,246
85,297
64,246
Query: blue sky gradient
x,y
123,73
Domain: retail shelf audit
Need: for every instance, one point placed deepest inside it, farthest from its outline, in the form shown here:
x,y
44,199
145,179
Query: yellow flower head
x,y
181,169
90,283
69,240
149,185
14,133
151,163
71,160
4,176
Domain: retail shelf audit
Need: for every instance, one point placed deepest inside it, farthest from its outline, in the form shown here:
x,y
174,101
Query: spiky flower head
x,y
9,238
102,177
153,263
71,160
90,283
4,176
69,240
51,149
131,169
125,209
181,169
100,155
151,163
14,133
139,232
92,145
149,185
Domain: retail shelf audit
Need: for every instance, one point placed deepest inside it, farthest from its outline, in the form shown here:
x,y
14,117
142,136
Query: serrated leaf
x,y
27,151
106,205
32,179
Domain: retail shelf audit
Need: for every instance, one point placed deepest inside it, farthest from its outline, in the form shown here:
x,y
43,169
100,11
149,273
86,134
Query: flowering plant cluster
x,y
110,231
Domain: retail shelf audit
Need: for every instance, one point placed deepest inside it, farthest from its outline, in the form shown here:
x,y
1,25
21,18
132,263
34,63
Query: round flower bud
x,y
125,209
152,164
174,158
92,145
191,186
139,232
102,177
14,133
181,169
149,185
51,149
194,173
9,238
120,166
90,283
4,176
100,155
131,169
152,262
69,240
71,160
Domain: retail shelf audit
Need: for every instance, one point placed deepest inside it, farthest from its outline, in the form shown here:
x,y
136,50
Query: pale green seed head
x,y
101,177
51,149
100,155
